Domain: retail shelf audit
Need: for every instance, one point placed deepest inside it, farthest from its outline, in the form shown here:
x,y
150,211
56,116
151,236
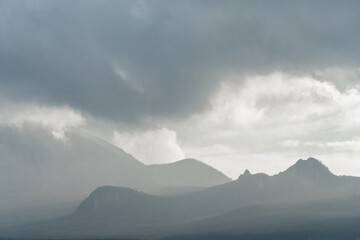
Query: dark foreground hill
x,y
306,201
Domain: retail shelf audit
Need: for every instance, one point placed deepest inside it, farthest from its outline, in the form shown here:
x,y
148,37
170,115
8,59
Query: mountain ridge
x,y
67,170
254,203
310,167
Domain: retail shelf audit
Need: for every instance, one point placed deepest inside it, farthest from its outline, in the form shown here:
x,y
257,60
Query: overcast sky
x,y
236,84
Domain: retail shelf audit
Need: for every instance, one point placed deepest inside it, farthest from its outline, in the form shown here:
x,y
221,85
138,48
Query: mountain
x,y
336,219
37,170
184,175
305,181
305,198
309,168
35,213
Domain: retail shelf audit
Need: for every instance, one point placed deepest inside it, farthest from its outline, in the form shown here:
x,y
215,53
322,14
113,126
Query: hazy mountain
x,y
184,175
336,219
35,213
37,169
302,197
295,185
310,168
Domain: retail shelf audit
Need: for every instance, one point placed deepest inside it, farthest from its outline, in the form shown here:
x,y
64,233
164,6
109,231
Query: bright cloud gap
x,y
57,119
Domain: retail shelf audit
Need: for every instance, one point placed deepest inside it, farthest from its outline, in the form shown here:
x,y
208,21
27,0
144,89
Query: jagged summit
x,y
247,172
310,167
252,178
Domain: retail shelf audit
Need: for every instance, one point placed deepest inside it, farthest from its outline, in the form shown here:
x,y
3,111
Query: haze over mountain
x,y
44,170
292,200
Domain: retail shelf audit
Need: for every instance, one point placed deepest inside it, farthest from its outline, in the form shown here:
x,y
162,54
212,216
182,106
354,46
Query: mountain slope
x,y
334,219
296,185
298,196
309,168
308,181
184,175
37,169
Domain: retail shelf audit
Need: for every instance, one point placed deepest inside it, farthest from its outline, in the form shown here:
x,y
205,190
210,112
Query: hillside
x,y
305,193
42,170
184,175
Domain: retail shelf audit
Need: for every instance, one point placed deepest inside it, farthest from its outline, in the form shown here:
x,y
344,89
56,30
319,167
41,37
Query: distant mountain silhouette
x,y
294,201
310,168
121,204
184,175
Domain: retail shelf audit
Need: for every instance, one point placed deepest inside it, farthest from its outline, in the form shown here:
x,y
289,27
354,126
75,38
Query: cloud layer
x,y
57,120
240,84
282,116
134,60
151,146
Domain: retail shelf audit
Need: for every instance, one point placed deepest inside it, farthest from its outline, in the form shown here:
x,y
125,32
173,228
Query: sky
x,y
236,84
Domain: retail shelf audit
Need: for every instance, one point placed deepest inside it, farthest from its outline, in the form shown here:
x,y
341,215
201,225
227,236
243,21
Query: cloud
x,y
127,79
57,120
351,145
251,80
278,99
343,77
151,146
282,115
64,54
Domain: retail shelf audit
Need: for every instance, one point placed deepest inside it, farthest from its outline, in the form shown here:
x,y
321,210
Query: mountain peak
x,y
247,172
310,167
310,162
188,161
187,172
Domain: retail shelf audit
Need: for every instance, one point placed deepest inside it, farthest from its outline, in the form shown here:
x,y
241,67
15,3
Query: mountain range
x,y
42,177
42,170
306,201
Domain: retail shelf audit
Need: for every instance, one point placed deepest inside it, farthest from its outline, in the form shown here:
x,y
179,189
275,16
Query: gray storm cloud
x,y
133,60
